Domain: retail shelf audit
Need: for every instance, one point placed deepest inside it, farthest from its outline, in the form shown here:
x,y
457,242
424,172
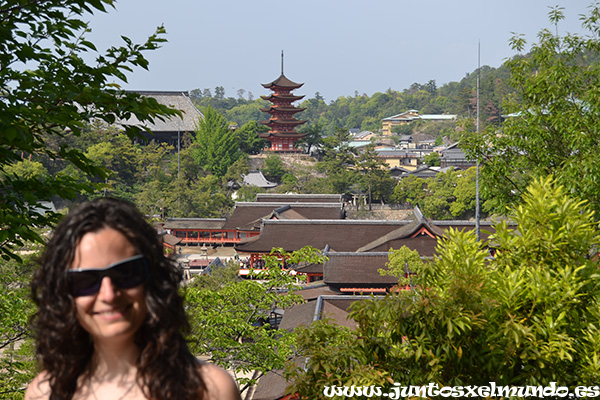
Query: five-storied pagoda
x,y
283,125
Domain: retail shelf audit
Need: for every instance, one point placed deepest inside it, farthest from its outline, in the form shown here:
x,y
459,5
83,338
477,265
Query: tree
x,y
48,89
375,175
432,159
217,146
314,136
528,316
410,189
553,125
273,168
338,162
17,366
248,139
448,195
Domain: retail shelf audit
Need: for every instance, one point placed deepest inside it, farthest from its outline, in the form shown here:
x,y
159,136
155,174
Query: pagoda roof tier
x,y
282,97
286,97
283,122
288,135
273,109
284,82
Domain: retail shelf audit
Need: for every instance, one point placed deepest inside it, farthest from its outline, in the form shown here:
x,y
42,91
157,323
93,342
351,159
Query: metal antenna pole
x,y
477,206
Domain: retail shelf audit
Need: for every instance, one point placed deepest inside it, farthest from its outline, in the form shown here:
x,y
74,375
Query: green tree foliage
x,y
17,365
338,163
217,145
374,175
401,263
432,159
273,168
248,139
230,322
448,195
203,197
554,124
314,136
529,316
48,88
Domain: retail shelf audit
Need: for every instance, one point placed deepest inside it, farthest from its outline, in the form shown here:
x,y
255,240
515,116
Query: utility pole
x,y
477,205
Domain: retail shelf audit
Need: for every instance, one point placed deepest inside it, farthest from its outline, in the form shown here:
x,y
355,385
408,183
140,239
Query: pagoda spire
x,y
281,62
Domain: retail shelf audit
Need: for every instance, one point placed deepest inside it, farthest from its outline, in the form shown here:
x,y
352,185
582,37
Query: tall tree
x,y
248,139
217,145
338,162
273,168
553,127
314,136
375,175
49,88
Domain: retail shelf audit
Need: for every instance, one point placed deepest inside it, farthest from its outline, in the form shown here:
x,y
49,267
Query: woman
x,y
110,318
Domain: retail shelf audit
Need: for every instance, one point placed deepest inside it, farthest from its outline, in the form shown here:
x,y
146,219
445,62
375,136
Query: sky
x,y
335,47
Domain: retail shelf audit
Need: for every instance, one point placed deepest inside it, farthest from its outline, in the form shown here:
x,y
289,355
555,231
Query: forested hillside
x,y
366,112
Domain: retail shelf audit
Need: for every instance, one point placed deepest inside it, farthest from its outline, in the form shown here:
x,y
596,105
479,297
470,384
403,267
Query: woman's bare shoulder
x,y
219,384
39,388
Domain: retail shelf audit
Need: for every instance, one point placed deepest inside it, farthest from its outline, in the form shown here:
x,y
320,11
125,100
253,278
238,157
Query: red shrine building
x,y
283,124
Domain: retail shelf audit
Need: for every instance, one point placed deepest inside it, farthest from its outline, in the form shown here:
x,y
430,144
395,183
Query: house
x,y
364,135
399,158
424,172
454,156
410,116
406,142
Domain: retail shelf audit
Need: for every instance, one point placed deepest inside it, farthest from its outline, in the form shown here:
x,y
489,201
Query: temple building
x,y
283,124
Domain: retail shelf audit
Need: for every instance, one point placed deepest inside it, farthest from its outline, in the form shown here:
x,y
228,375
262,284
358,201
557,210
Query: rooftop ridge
x,y
163,92
282,204
196,219
336,221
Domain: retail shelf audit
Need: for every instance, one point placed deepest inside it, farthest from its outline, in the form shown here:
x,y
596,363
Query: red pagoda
x,y
283,125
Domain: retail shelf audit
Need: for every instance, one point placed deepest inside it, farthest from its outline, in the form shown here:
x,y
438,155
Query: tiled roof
x,y
340,235
418,234
178,100
256,178
283,81
313,292
245,213
357,269
194,223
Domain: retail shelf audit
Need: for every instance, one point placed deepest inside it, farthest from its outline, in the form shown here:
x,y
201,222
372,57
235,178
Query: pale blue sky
x,y
334,47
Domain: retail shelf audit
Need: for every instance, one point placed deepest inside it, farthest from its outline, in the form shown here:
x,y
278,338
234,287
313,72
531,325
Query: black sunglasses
x,y
125,274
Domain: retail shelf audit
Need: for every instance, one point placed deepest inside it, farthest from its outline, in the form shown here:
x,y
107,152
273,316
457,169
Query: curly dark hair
x,y
166,367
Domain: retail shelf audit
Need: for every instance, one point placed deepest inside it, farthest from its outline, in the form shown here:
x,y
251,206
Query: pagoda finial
x,y
281,62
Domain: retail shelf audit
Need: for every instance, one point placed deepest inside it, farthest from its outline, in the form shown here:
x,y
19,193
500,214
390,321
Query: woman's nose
x,y
107,290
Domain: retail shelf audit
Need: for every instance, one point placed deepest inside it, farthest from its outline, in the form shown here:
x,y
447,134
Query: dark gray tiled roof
x,y
178,100
194,223
245,213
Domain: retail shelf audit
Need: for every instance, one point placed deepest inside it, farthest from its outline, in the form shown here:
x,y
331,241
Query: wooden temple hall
x,y
356,248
